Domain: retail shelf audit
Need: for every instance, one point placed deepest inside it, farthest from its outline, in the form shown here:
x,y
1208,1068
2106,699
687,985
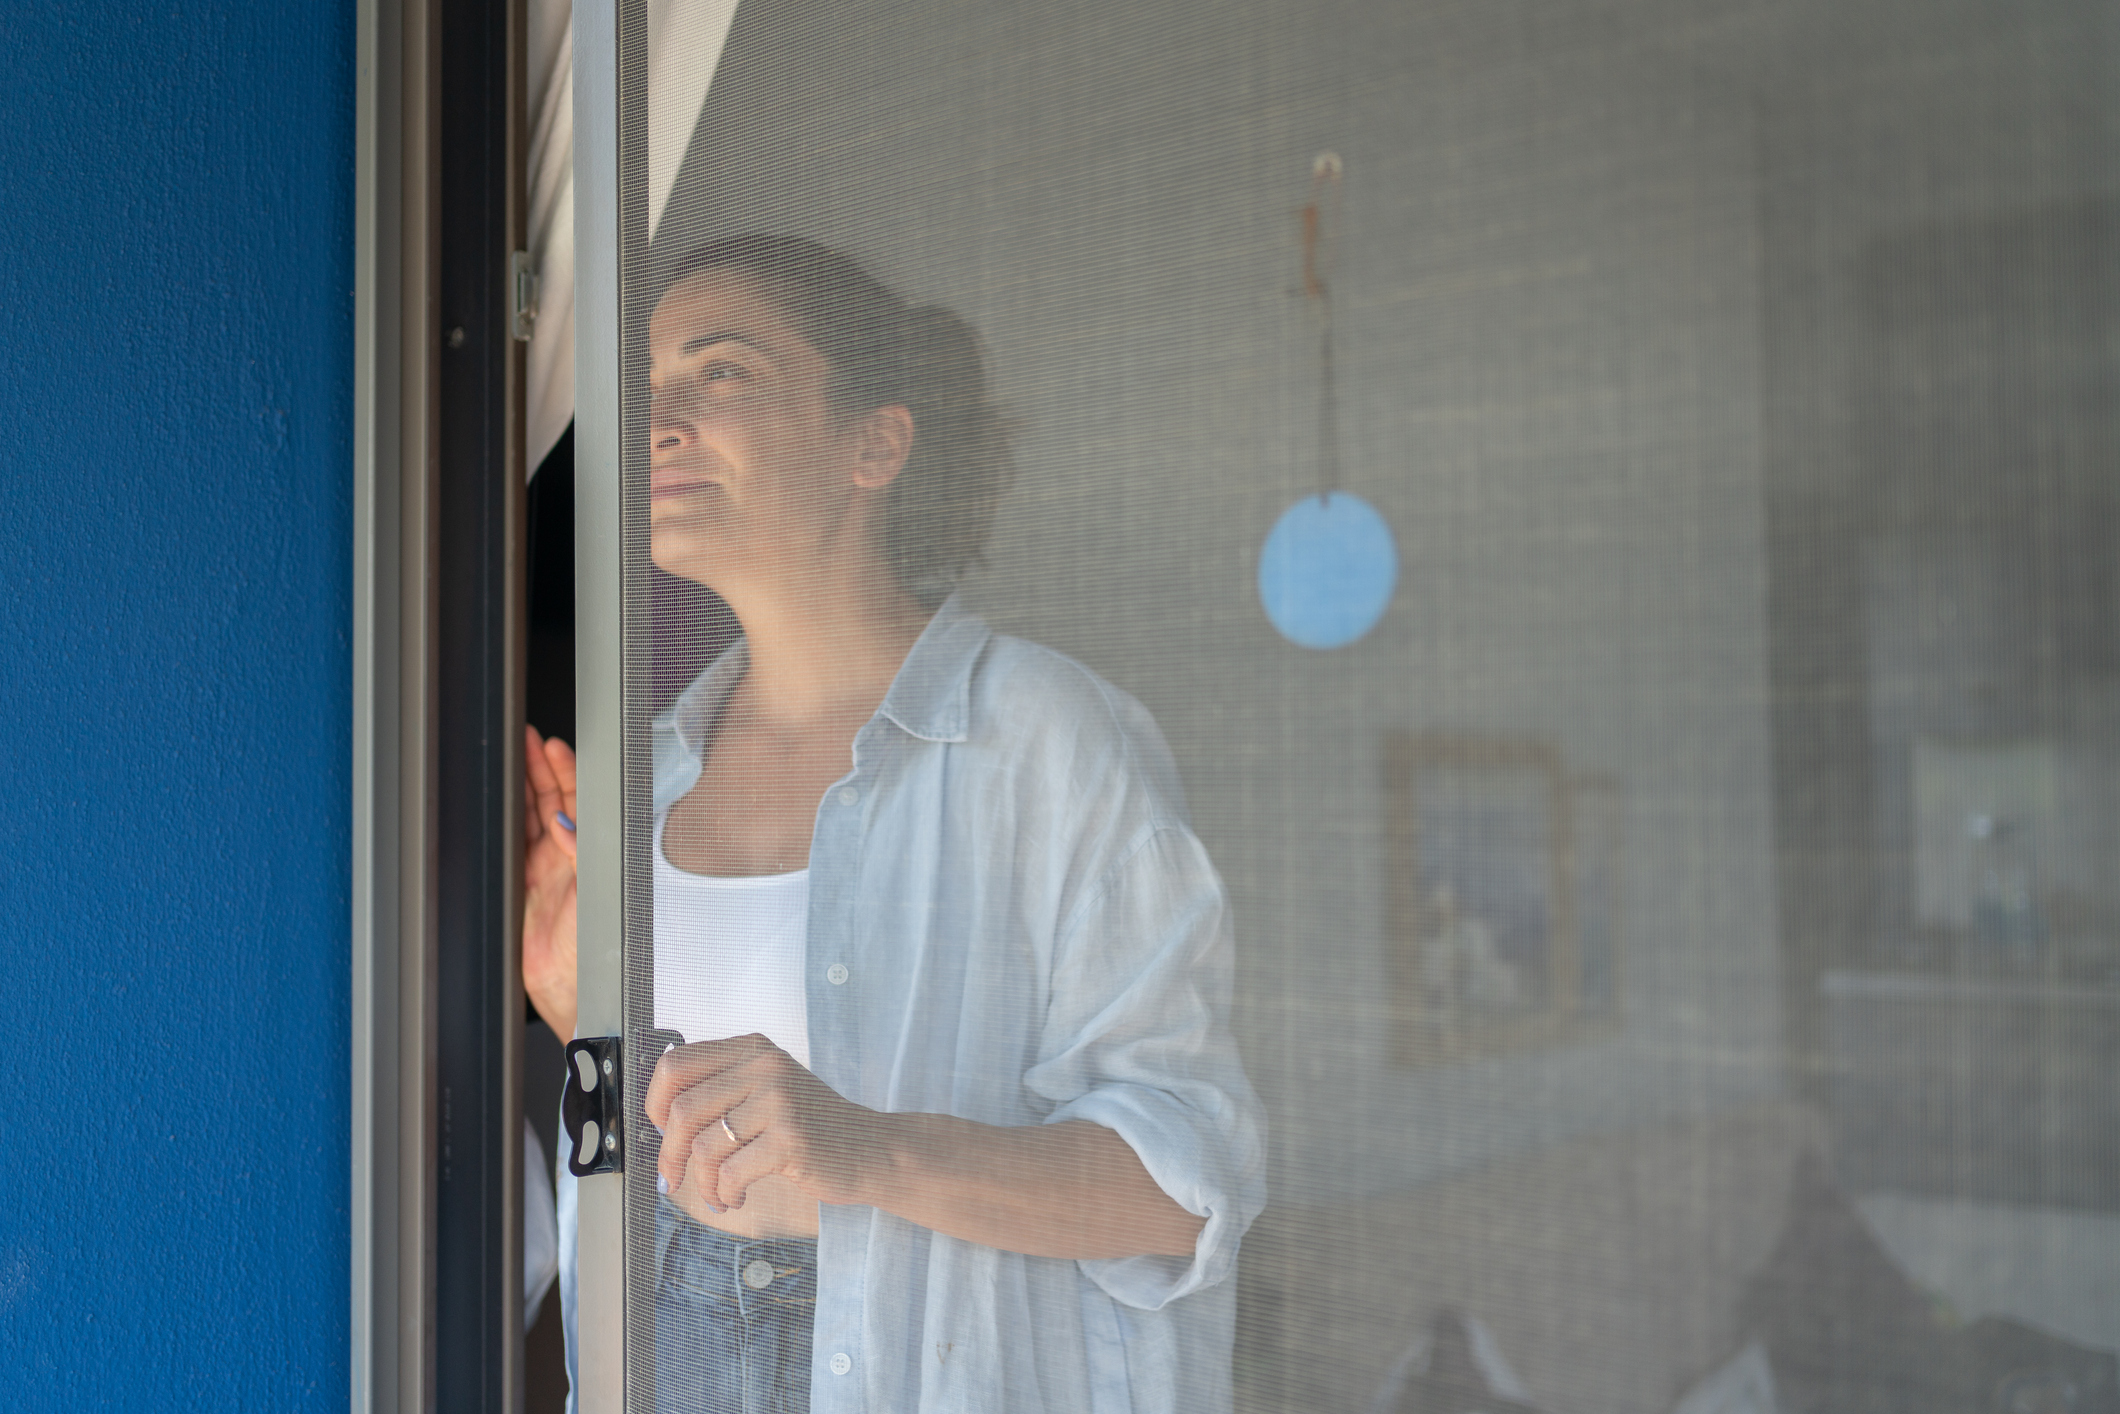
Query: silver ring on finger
x,y
730,1132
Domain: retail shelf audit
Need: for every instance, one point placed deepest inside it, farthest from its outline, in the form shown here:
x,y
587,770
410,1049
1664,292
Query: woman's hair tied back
x,y
882,352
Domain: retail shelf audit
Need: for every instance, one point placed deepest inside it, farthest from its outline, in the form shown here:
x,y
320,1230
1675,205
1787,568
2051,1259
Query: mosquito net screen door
x,y
1362,706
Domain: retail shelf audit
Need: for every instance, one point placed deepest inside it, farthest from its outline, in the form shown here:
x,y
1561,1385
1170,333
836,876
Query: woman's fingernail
x,y
662,1185
564,822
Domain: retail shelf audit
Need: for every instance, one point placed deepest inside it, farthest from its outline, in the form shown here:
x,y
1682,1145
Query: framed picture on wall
x,y
1483,925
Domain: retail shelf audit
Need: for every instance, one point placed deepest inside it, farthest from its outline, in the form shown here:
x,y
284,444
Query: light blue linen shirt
x,y
1011,921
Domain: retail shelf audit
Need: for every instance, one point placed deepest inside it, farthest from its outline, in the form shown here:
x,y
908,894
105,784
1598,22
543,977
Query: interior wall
x,y
1935,209
1634,343
1548,373
176,338
1548,357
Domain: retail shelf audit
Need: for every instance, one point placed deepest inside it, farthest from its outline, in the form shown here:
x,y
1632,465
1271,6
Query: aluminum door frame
x,y
600,672
405,732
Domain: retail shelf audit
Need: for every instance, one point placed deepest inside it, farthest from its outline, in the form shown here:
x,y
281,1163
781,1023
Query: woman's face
x,y
754,481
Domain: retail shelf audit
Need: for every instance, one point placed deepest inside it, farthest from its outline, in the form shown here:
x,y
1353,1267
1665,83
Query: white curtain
x,y
684,46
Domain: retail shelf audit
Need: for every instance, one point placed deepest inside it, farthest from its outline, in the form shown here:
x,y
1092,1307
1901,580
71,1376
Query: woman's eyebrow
x,y
694,345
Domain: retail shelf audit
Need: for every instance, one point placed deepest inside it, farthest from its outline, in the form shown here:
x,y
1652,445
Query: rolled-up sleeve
x,y
1137,1039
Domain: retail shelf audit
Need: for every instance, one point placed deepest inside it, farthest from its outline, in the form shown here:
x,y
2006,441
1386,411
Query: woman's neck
x,y
823,651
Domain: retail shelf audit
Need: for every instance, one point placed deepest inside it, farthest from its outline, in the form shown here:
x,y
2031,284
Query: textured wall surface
x,y
175,374
1547,355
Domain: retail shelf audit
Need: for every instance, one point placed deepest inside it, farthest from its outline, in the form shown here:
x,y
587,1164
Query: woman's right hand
x,y
548,880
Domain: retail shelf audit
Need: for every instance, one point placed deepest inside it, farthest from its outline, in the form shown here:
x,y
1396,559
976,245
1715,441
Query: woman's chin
x,y
687,556
693,574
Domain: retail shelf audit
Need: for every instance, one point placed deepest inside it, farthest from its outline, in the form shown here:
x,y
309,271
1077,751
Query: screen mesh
x,y
1610,510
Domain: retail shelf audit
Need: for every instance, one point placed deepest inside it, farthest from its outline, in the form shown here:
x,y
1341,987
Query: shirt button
x,y
849,796
842,1362
758,1274
836,974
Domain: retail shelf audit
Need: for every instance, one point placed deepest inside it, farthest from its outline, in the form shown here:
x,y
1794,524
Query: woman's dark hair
x,y
882,352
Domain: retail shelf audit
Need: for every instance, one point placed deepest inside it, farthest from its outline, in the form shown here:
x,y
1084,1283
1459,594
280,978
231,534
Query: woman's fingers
x,y
780,1119
758,1150
559,759
701,1171
540,784
693,1087
537,767
681,1068
694,1125
561,835
549,899
715,1147
534,766
548,797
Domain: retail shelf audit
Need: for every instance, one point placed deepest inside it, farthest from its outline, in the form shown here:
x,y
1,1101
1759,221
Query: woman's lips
x,y
663,484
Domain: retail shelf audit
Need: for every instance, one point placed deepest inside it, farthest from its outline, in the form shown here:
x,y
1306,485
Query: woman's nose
x,y
669,430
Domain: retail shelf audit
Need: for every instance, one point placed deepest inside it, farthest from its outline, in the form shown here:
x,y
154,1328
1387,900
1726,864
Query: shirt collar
x,y
931,698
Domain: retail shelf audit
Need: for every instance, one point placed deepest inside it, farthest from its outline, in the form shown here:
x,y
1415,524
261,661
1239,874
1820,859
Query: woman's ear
x,y
886,440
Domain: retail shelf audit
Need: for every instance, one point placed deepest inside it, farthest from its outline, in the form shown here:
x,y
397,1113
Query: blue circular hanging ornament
x,y
1327,570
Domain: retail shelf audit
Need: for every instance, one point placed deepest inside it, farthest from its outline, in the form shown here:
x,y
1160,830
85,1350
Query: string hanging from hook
x,y
1321,241
1330,564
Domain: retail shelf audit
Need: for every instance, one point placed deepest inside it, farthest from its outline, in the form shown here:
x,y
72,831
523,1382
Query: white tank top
x,y
730,954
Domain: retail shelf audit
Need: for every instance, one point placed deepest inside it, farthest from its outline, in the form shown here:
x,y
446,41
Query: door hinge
x,y
522,295
593,1106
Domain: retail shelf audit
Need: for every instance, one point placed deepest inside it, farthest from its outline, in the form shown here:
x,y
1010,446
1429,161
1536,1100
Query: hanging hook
x,y
1321,225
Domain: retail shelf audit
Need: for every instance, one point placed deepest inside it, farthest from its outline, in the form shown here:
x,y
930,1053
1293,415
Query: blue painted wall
x,y
175,473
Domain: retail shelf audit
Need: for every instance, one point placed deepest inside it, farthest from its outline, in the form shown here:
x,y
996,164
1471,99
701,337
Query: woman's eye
x,y
720,372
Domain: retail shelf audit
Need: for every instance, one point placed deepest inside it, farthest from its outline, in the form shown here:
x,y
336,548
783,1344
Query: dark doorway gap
x,y
548,556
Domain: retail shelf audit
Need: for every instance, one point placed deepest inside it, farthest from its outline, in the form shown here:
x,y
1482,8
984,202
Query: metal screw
x,y
456,337
608,1067
610,1141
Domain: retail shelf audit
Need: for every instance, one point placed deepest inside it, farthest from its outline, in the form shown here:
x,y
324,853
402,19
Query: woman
x,y
953,968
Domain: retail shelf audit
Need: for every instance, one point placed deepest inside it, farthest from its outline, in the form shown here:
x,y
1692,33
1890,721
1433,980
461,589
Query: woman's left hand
x,y
1073,1189
784,1120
